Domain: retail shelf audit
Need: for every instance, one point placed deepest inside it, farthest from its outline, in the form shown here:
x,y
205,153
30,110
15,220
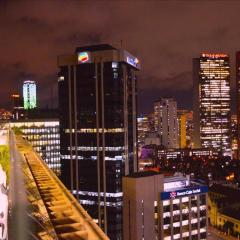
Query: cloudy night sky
x,y
164,35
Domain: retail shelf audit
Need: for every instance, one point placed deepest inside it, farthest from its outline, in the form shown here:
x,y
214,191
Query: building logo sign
x,y
173,194
214,55
132,61
184,192
83,57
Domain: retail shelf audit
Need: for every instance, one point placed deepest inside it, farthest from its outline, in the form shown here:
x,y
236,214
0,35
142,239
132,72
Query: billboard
x,y
184,192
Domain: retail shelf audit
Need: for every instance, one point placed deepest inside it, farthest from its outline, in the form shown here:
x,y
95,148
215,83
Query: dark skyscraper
x,y
97,101
212,102
238,98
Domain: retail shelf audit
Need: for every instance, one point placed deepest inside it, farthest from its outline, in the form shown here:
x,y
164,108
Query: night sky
x,y
164,35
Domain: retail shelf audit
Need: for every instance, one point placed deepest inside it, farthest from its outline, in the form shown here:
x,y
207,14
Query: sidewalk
x,y
221,234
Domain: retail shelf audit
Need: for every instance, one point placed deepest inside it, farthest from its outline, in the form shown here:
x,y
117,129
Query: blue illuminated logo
x,y
184,192
132,61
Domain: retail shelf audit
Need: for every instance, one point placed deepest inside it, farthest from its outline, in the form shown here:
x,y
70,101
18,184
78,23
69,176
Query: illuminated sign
x,y
174,185
132,61
83,57
184,192
211,55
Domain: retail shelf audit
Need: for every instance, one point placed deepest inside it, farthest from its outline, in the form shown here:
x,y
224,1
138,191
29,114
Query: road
x,y
18,227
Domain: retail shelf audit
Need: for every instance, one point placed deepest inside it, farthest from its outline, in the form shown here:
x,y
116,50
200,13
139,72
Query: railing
x,y
68,219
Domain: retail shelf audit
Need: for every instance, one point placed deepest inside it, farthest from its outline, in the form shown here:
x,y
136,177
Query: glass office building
x,y
212,102
29,95
43,134
98,131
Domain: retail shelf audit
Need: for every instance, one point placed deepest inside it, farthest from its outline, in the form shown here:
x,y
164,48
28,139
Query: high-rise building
x,y
185,128
29,94
182,120
166,122
211,76
238,99
158,207
98,129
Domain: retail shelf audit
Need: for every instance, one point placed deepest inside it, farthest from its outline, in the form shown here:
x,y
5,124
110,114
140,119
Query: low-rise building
x,y
158,207
224,209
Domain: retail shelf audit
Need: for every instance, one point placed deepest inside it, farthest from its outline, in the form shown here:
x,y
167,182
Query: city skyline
x,y
166,60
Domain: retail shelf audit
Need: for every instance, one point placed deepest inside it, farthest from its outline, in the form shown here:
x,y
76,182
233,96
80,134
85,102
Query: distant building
x,y
166,123
143,127
182,119
29,94
158,207
185,128
183,153
211,76
17,106
41,128
43,134
234,136
152,138
238,98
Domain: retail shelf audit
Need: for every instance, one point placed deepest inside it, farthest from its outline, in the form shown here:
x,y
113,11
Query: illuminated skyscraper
x,y
29,95
238,99
98,130
211,76
166,122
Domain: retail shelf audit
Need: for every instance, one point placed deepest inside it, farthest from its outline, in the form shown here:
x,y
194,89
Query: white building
x,y
165,121
163,208
29,95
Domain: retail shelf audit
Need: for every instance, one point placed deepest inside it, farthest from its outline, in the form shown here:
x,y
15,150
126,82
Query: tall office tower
x,y
166,123
182,120
29,94
238,98
97,102
211,76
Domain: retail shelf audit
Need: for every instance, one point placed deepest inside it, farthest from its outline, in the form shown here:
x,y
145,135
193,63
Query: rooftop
x,y
231,212
94,48
227,192
143,174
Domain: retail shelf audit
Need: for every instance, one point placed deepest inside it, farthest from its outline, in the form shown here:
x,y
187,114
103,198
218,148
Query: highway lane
x,y
19,226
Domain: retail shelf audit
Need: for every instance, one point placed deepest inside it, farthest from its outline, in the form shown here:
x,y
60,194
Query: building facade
x,y
43,134
166,122
238,99
29,95
158,207
143,128
211,76
98,129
